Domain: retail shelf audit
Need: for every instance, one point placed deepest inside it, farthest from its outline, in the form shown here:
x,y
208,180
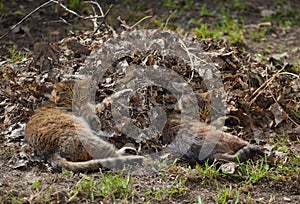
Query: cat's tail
x,y
248,152
111,163
243,154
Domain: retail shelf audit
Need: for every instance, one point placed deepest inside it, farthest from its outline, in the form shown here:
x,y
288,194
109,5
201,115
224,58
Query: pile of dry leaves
x,y
260,99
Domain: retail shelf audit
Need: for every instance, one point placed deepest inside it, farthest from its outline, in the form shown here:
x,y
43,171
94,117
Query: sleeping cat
x,y
199,142
59,131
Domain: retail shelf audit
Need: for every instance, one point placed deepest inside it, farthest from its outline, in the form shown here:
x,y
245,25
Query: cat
x,y
59,131
198,141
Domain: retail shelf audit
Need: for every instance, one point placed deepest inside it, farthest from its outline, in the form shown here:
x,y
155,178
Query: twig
x,y
146,17
123,23
182,44
169,17
264,85
104,18
96,3
74,13
61,5
127,27
25,18
283,109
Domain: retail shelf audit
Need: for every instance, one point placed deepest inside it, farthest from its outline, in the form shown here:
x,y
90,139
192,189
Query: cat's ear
x,y
53,96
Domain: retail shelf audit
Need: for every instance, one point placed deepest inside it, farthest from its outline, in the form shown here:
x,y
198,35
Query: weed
x,y
7,152
2,7
252,172
296,70
189,4
20,11
175,188
170,4
204,12
285,15
16,199
208,172
110,185
199,200
16,55
74,4
297,114
2,151
35,184
230,28
237,5
68,173
227,195
182,7
286,168
257,35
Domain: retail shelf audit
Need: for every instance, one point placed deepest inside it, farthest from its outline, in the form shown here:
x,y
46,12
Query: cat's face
x,y
62,93
71,93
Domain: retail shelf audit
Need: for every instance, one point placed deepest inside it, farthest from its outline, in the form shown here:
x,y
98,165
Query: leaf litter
x,y
262,98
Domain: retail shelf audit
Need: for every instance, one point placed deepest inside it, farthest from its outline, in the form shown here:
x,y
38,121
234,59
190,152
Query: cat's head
x,y
71,93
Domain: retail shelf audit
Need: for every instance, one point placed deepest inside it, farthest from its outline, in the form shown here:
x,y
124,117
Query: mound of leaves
x,y
261,98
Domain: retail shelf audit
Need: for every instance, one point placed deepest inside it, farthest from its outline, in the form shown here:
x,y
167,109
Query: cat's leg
x,y
114,163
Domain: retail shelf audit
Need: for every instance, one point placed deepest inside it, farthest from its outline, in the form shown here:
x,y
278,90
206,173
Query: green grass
x,y
237,5
227,194
204,11
16,55
296,70
257,35
35,184
110,187
175,188
2,6
74,4
229,27
252,172
284,14
208,172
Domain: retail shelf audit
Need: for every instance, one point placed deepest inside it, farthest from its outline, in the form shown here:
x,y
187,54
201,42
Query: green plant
x,y
7,152
2,7
284,14
189,4
297,114
204,12
175,188
68,173
35,184
203,31
238,5
74,4
229,27
232,27
252,172
199,200
20,11
16,54
257,35
208,172
296,70
227,195
170,4
110,185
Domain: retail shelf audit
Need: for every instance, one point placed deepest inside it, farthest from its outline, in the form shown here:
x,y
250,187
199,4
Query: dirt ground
x,y
28,180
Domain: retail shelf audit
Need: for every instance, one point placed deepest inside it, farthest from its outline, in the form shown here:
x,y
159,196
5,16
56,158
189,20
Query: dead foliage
x,y
262,99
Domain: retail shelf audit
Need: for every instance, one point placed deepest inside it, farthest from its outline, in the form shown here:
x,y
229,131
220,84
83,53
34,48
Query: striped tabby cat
x,y
59,131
